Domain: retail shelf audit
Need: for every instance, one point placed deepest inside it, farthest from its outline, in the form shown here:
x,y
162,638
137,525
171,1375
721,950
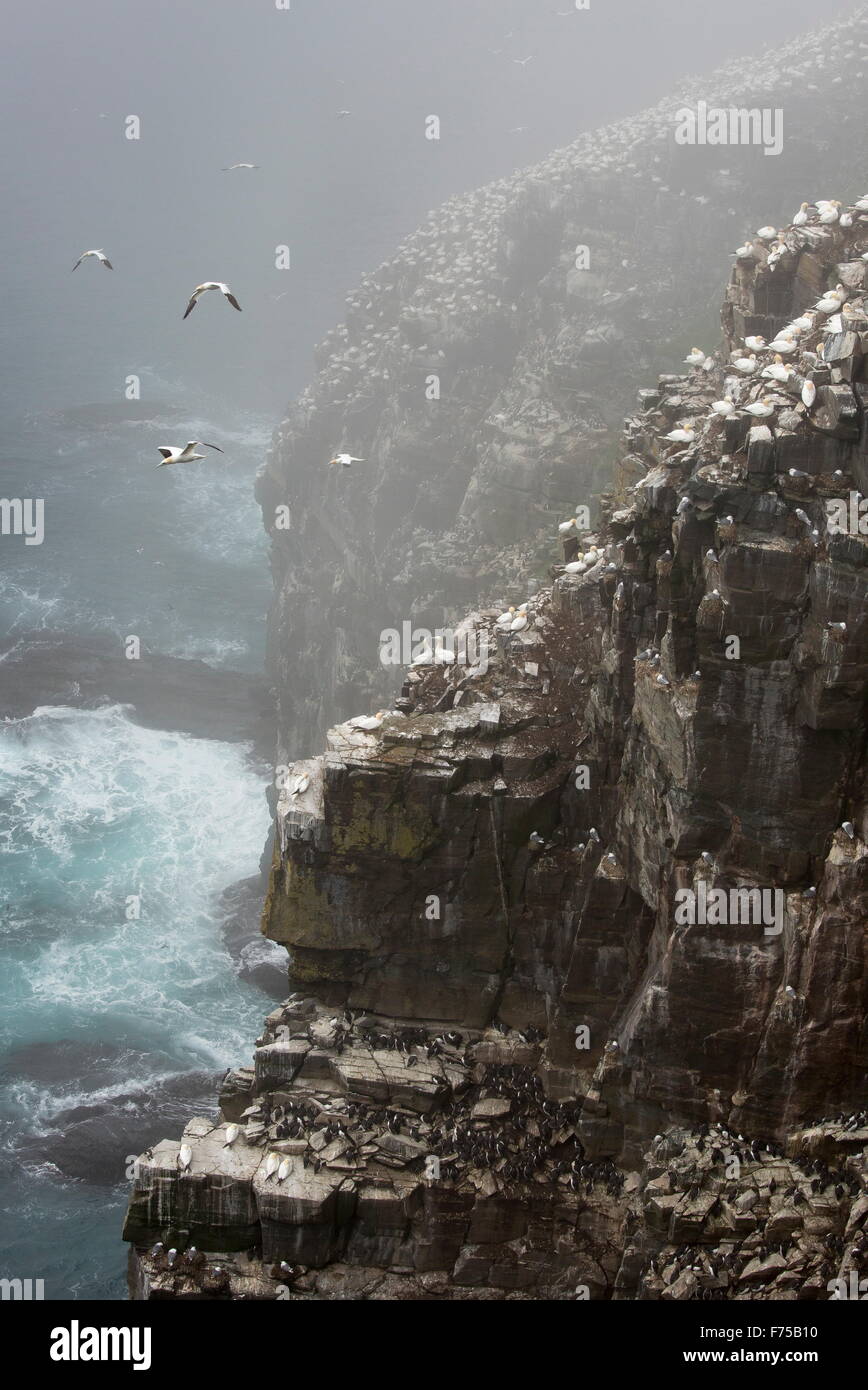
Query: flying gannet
x,y
227,168
347,460
211,285
100,256
185,455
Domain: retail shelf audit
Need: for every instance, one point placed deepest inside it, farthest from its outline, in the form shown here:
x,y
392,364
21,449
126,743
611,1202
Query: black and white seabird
x,y
187,454
211,285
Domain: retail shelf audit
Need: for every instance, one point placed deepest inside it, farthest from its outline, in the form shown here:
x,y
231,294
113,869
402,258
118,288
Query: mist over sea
x,y
113,1026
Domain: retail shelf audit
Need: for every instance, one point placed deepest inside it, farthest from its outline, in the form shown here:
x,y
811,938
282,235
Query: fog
x,y
215,82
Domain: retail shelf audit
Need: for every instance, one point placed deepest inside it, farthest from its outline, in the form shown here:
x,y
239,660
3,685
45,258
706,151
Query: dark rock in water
x,y
108,414
86,1066
96,1143
166,692
264,964
259,961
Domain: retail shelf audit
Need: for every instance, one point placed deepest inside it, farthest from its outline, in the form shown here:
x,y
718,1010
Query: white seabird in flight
x,y
100,256
211,285
347,460
227,168
185,455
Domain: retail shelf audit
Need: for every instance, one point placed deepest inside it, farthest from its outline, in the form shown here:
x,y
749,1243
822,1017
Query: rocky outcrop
x,y
703,668
578,928
353,1174
482,372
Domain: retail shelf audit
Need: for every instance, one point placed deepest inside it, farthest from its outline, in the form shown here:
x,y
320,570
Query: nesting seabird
x,y
185,1157
211,285
185,455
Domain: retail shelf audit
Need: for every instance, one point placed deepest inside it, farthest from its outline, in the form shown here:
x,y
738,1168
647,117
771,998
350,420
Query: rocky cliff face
x,y
578,927
534,348
685,707
591,908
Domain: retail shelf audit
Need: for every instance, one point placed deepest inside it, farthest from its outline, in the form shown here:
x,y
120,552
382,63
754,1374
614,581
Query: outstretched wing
x,y
106,262
191,306
78,263
234,302
167,453
206,445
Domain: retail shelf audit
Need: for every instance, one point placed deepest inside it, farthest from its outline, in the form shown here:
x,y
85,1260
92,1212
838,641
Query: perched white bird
x,y
724,407
756,342
801,216
767,233
777,370
575,567
785,342
519,622
300,785
346,460
683,435
211,285
100,256
284,1170
761,408
566,526
830,213
506,618
834,297
367,722
746,365
272,1163
232,1132
849,829
695,357
861,204
185,455
185,1157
